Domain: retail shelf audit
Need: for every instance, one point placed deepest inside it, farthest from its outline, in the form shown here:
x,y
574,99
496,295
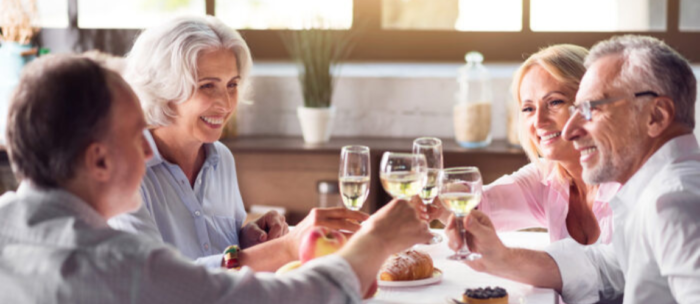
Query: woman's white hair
x,y
162,65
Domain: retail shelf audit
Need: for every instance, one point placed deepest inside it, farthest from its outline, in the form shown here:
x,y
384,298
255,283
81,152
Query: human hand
x,y
434,211
270,226
396,226
481,238
338,218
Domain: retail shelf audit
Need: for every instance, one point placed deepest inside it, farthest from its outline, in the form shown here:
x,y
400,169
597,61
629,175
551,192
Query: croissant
x,y
408,265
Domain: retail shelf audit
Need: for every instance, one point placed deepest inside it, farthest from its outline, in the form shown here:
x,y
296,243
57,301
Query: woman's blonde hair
x,y
565,62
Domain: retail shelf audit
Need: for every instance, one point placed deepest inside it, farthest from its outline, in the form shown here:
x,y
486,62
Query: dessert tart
x,y
488,295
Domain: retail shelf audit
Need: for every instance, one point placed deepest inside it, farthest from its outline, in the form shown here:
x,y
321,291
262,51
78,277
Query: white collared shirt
x,y
54,248
654,256
200,221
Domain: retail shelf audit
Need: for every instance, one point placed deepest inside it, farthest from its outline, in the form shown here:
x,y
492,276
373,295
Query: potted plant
x,y
318,54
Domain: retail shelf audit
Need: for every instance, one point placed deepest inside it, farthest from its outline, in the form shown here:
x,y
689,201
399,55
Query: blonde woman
x,y
549,192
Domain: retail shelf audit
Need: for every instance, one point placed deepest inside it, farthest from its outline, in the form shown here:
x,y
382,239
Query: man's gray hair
x,y
650,64
162,65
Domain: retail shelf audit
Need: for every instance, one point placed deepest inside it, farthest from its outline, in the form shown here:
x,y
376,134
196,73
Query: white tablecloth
x,y
457,277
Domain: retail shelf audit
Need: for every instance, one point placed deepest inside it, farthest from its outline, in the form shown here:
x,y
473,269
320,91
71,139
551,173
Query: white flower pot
x,y
316,123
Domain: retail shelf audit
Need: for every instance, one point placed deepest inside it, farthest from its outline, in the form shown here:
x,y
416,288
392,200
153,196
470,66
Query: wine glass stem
x,y
463,233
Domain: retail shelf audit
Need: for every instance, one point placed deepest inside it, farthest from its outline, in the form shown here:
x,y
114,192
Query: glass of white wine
x,y
403,175
460,191
354,175
431,147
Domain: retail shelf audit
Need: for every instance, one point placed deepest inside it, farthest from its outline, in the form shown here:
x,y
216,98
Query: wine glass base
x,y
464,257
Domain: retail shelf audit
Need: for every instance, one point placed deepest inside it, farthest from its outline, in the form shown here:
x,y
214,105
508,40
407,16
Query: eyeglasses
x,y
585,107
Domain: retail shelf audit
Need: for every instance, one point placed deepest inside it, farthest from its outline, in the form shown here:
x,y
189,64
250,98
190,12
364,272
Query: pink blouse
x,y
525,199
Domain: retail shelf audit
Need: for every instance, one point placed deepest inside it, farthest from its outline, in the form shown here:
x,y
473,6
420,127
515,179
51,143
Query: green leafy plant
x,y
318,54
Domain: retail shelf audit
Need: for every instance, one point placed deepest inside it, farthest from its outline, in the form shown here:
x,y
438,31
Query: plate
x,y
437,277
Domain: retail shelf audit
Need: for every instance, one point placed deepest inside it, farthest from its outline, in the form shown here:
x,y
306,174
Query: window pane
x,y
461,15
690,15
285,14
46,13
134,13
53,13
597,15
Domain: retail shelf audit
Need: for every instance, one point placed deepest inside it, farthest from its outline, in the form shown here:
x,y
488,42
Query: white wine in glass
x,y
403,175
402,184
354,191
354,176
460,203
431,147
460,191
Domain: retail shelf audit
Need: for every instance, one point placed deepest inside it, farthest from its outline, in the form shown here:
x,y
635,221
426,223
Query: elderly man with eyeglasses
x,y
633,123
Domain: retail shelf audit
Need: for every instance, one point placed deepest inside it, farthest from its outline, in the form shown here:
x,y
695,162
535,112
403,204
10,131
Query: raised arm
x,y
582,274
340,278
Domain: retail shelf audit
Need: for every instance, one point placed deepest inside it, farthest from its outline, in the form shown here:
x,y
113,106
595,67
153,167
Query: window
x,y
461,15
400,30
133,14
285,14
38,13
690,15
52,13
598,15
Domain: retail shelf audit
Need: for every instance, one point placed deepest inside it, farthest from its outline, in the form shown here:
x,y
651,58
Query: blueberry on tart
x,y
488,295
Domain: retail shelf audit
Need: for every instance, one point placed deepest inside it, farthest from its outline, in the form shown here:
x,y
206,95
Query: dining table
x,y
457,277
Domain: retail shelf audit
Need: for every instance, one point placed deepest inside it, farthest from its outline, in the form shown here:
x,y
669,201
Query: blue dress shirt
x,y
201,221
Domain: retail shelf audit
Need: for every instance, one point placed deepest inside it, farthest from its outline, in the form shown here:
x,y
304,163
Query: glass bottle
x,y
512,125
472,113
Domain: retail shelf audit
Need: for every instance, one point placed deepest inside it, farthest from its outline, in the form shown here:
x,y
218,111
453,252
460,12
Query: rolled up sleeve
x,y
589,273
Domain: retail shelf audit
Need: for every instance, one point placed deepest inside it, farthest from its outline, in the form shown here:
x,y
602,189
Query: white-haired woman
x,y
189,74
550,192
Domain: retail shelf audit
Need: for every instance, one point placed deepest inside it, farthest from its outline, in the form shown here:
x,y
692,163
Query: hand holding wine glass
x,y
460,191
354,176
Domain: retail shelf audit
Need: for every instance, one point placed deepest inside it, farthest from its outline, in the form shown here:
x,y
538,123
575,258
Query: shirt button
x,y
197,213
206,246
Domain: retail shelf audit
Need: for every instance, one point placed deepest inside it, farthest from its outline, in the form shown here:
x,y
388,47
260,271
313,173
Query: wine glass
x,y
403,175
460,190
431,147
353,176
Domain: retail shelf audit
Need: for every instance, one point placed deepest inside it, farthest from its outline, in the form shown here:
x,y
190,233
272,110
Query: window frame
x,y
384,45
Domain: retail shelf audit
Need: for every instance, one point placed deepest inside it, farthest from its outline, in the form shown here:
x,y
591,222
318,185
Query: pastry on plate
x,y
407,265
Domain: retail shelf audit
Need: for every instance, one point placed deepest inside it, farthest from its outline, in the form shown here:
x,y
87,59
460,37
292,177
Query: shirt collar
x,y
212,155
62,199
553,181
675,148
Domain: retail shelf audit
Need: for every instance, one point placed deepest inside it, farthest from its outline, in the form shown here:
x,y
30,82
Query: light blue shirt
x,y
201,221
57,249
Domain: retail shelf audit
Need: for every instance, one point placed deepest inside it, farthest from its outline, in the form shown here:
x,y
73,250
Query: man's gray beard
x,y
614,164
604,172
